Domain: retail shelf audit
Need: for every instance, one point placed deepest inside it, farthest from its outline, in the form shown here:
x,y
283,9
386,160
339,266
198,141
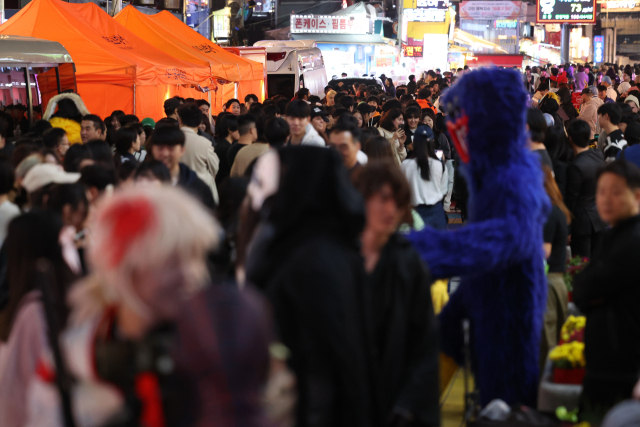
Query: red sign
x,y
412,51
576,99
348,24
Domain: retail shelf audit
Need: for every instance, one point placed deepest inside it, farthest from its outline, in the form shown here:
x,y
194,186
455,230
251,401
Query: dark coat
x,y
310,267
189,180
607,292
581,192
403,335
222,354
222,148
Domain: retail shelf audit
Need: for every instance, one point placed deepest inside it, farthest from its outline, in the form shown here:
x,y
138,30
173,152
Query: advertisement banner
x,y
563,12
598,49
487,10
348,24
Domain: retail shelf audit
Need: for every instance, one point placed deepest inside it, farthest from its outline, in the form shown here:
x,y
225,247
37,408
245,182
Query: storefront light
x,y
352,49
367,49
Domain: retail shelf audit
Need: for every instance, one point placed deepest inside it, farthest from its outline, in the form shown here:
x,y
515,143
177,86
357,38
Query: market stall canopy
x,y
112,64
239,69
18,51
465,38
223,66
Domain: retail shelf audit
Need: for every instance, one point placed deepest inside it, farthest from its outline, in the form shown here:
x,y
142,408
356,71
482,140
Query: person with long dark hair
x,y
391,127
566,103
555,233
389,88
127,144
427,176
226,135
411,122
23,329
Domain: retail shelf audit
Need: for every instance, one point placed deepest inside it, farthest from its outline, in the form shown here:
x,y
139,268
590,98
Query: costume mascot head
x,y
499,253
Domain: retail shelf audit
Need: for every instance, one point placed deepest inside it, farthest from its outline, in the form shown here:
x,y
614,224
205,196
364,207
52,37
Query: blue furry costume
x,y
499,253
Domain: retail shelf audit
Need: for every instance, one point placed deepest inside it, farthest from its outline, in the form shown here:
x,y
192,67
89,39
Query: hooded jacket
x,y
589,113
315,218
311,137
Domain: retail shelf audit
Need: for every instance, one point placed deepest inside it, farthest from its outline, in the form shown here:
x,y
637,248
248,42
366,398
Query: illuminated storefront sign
x,y
412,51
424,15
427,11
348,24
506,23
598,49
484,10
566,11
630,4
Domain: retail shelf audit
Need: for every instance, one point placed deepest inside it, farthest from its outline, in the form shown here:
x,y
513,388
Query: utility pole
x,y
564,45
399,10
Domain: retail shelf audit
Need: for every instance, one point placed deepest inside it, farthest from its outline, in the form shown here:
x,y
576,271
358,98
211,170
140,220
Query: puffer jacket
x,y
399,150
311,137
589,113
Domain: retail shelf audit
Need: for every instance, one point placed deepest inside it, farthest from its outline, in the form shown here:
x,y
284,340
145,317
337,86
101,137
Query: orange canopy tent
x,y
115,70
252,82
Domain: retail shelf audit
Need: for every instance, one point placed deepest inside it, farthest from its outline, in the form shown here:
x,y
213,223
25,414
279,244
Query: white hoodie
x,y
311,137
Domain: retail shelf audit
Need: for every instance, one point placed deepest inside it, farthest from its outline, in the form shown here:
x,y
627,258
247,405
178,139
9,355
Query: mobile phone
x,y
440,154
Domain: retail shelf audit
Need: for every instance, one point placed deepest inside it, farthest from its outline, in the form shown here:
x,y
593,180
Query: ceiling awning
x,y
465,38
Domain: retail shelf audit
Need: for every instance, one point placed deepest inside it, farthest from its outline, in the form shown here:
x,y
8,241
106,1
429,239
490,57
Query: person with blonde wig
x,y
144,269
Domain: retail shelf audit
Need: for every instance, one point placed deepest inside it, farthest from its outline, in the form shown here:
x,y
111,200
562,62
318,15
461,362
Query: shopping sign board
x,y
488,10
412,51
598,49
424,15
347,24
427,11
566,11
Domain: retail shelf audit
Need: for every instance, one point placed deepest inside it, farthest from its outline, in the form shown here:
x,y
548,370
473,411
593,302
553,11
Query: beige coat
x,y
589,113
200,157
399,150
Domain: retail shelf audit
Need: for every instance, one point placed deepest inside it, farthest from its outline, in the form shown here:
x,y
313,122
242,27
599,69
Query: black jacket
x,y
195,186
411,87
222,148
581,192
607,292
403,335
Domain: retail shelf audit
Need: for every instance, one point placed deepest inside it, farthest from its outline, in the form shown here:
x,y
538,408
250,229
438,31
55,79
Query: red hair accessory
x,y
130,219
458,131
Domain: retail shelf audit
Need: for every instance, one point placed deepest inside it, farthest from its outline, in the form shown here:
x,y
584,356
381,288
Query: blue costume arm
x,y
475,248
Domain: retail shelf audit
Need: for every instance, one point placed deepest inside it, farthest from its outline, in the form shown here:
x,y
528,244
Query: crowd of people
x,y
231,269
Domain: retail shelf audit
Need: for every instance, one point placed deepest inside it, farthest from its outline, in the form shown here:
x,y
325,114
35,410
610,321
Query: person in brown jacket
x,y
589,109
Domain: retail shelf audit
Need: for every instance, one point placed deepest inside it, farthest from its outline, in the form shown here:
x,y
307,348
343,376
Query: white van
x,y
293,65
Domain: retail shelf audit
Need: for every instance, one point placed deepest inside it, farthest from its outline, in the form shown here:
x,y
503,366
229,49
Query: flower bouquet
x,y
574,266
568,357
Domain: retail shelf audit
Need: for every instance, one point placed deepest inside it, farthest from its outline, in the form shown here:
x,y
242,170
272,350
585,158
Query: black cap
x,y
587,91
423,133
319,111
365,108
171,104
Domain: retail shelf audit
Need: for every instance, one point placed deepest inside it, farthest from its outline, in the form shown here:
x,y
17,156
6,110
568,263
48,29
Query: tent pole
x,y
134,99
210,106
236,90
27,82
